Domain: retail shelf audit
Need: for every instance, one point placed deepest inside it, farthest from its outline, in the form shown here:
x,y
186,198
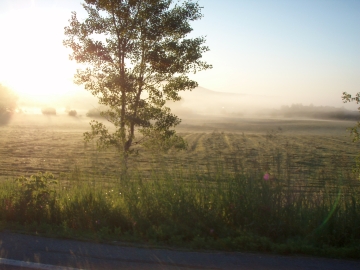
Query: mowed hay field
x,y
298,148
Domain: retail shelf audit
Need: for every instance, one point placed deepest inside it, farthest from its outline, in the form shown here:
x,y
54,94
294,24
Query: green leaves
x,y
354,131
137,57
35,195
348,98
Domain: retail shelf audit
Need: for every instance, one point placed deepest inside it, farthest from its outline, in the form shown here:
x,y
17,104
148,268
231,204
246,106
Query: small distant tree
x,y
8,104
72,113
354,131
137,57
48,111
95,113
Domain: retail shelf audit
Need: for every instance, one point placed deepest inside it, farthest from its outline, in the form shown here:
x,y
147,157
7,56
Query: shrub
x,y
72,113
5,116
48,111
95,113
35,195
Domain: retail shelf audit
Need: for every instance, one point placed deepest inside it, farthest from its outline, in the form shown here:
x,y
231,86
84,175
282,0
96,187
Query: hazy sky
x,y
304,51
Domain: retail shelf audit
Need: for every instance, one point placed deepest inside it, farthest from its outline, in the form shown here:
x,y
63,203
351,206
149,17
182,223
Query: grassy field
x,y
36,143
282,186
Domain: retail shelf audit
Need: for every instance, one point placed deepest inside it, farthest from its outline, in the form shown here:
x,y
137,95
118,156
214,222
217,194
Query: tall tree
x,y
136,56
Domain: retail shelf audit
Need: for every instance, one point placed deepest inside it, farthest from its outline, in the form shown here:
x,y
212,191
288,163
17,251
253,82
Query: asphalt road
x,y
19,251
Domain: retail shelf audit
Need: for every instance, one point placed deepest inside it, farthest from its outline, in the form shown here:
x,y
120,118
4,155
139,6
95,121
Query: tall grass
x,y
218,208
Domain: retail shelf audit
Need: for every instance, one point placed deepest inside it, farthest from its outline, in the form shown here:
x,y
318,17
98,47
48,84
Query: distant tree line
x,y
314,112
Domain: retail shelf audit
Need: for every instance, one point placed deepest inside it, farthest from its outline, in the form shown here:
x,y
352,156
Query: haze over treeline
x,y
202,102
311,112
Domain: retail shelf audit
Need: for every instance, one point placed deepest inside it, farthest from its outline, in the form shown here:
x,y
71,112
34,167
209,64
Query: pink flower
x,y
266,176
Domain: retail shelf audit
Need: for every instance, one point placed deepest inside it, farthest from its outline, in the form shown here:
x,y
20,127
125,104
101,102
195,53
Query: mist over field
x,y
201,110
202,103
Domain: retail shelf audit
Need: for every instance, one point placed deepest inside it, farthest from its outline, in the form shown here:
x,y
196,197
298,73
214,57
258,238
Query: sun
x,y
34,63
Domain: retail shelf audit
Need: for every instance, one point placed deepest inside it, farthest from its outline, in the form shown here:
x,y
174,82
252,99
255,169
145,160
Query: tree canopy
x,y
136,56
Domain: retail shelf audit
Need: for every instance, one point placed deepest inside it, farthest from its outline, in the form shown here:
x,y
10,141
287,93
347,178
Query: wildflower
x,y
266,176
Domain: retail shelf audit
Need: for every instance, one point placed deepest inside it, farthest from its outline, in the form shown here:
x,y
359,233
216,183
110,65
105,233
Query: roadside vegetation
x,y
237,192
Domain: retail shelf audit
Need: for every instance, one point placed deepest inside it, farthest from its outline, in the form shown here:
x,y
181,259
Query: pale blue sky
x,y
305,51
299,50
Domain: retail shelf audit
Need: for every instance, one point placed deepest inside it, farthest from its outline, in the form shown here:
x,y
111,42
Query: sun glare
x,y
34,63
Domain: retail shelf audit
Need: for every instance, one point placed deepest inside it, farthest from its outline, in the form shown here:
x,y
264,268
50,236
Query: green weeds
x,y
30,199
215,211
